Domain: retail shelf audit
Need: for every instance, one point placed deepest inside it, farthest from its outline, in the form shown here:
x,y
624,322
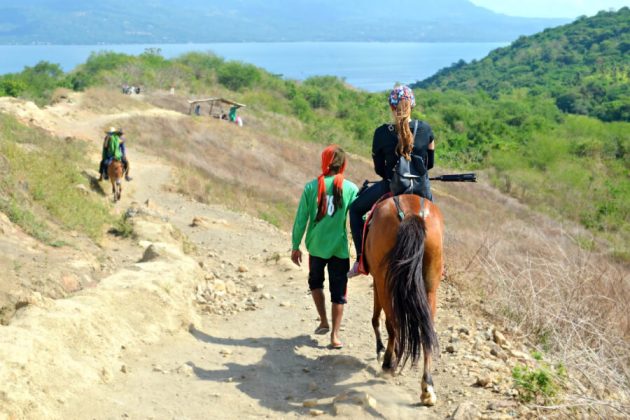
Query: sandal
x,y
322,330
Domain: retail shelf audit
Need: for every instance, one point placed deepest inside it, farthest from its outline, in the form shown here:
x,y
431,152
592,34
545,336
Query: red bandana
x,y
327,157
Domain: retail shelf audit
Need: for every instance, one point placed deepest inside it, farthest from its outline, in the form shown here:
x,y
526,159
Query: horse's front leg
x,y
376,315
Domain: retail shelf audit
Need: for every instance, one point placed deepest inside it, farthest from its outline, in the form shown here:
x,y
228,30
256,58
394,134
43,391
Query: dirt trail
x,y
252,351
265,361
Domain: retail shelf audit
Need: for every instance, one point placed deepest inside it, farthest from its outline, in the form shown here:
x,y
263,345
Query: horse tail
x,y
409,299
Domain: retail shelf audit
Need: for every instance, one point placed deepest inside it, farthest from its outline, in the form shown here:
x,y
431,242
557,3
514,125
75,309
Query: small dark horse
x,y
115,174
405,260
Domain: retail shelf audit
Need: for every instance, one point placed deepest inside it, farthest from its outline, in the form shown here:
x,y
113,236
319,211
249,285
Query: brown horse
x,y
403,250
115,174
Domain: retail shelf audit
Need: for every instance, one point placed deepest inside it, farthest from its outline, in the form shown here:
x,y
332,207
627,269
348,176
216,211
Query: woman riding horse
x,y
403,138
403,246
107,156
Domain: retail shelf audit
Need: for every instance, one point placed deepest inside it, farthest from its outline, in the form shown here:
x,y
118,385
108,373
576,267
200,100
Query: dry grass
x,y
60,95
531,275
102,100
165,100
575,304
246,169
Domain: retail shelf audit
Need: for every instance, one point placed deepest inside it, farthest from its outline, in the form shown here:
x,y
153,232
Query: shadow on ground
x,y
283,378
94,184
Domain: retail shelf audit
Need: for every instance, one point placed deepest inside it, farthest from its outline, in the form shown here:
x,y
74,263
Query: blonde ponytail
x,y
402,114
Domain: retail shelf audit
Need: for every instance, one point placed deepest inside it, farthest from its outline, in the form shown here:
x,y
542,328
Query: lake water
x,y
372,66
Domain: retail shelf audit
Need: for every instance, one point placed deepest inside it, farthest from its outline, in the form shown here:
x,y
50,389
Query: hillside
x,y
165,21
571,167
179,318
584,66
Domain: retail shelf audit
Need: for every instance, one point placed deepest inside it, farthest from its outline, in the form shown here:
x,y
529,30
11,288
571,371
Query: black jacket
x,y
385,142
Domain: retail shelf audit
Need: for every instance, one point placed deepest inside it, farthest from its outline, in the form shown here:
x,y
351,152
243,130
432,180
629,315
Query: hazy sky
x,y
551,8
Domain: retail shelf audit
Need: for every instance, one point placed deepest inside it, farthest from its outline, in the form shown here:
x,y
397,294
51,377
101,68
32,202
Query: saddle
x,y
424,212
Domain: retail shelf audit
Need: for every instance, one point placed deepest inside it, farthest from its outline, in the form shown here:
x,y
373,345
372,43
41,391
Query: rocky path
x,y
251,351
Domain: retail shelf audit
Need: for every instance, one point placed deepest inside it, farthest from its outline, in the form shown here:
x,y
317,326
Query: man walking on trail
x,y
114,148
324,208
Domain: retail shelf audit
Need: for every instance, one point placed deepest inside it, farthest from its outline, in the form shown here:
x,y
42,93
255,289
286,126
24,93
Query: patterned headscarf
x,y
399,93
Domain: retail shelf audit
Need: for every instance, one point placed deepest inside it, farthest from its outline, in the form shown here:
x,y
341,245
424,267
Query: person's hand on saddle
x,y
296,257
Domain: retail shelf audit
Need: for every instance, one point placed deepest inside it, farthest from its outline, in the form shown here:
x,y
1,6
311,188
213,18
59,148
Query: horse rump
x,y
410,305
115,170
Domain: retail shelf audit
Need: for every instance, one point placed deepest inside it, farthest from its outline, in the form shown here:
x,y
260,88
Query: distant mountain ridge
x,y
584,65
166,21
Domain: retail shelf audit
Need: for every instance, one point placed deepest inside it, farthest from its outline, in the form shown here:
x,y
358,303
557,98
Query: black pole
x,y
472,177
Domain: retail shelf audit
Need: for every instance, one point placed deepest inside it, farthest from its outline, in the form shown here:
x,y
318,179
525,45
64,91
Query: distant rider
x,y
113,148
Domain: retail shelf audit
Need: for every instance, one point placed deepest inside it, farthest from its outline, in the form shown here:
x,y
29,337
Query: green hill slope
x,y
584,66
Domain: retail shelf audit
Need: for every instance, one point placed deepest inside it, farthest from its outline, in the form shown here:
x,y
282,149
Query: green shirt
x,y
328,237
113,148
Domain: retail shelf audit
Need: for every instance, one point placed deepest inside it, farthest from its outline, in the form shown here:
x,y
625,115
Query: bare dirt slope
x,y
132,347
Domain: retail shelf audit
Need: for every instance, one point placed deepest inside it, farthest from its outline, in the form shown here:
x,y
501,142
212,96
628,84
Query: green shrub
x,y
122,227
238,76
10,86
317,98
539,385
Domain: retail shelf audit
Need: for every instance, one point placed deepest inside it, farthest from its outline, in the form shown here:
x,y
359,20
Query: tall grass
x,y
570,303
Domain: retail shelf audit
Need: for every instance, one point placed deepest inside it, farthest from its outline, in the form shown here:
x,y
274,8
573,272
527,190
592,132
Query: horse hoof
x,y
428,396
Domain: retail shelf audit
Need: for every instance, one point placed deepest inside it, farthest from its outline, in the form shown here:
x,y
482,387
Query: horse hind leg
x,y
376,324
118,190
428,396
390,361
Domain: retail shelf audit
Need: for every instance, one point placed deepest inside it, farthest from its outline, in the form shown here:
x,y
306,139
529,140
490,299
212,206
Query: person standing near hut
x,y
232,114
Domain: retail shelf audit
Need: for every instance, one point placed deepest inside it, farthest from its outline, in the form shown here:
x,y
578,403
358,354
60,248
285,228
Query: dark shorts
x,y
337,276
